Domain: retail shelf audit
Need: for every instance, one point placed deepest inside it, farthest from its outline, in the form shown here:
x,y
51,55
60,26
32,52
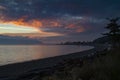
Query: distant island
x,y
17,40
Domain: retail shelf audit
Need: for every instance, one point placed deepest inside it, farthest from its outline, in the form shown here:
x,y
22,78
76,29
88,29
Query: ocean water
x,y
20,53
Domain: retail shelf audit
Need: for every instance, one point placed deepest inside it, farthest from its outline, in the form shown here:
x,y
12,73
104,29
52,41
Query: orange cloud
x,y
30,23
76,27
81,29
45,23
36,23
71,26
33,22
55,24
22,22
51,23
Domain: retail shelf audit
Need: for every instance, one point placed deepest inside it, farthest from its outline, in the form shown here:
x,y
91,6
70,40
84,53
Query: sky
x,y
57,20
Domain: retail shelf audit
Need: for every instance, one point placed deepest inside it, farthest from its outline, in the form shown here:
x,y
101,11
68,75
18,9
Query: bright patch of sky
x,y
10,28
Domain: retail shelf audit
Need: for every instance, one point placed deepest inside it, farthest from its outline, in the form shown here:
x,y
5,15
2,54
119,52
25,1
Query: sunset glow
x,y
20,30
55,19
59,39
10,28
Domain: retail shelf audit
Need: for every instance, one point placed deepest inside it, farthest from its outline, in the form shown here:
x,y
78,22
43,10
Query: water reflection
x,y
19,53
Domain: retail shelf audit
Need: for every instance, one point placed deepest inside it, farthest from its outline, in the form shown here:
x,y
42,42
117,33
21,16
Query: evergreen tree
x,y
114,32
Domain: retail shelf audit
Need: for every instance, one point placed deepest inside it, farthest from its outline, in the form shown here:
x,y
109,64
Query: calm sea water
x,y
20,53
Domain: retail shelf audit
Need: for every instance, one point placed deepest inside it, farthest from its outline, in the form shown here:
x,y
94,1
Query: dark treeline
x,y
77,43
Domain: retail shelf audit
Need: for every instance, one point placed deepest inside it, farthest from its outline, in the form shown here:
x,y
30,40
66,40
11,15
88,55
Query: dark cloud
x,y
56,8
72,15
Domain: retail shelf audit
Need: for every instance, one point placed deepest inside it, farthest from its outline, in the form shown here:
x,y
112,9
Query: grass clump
x,y
102,67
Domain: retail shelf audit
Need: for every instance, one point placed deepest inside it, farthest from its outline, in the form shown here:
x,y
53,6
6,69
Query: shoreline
x,y
18,69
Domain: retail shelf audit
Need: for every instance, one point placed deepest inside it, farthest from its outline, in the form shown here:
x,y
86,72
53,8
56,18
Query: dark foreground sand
x,y
18,69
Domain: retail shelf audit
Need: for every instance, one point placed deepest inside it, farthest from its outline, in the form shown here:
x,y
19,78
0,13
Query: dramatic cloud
x,y
68,17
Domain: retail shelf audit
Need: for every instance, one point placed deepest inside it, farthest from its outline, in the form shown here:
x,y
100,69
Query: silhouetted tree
x,y
114,31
